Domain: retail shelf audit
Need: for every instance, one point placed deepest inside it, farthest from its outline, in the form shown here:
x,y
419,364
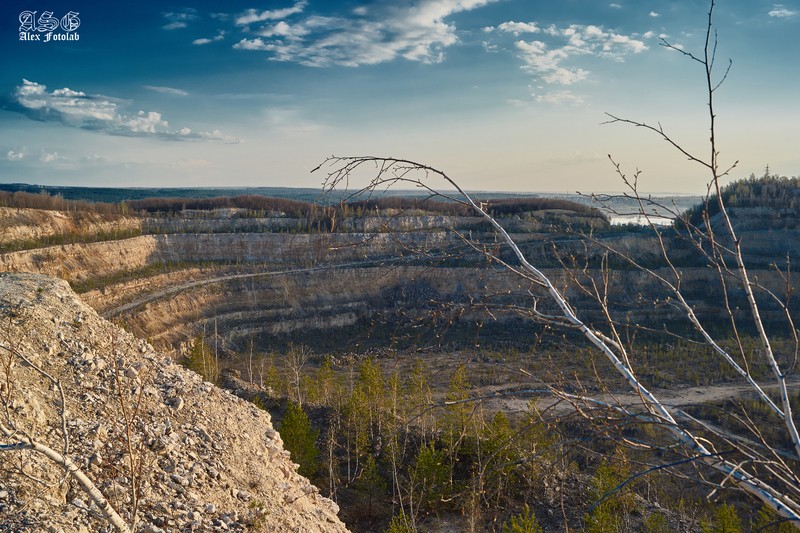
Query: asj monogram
x,y
51,27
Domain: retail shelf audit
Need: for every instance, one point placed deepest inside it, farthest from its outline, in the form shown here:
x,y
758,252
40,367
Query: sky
x,y
503,95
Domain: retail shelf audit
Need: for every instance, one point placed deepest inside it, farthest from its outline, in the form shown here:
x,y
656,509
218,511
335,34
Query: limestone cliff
x,y
21,224
161,444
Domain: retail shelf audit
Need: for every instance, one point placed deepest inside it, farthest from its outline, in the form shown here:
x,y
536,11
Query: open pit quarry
x,y
108,313
282,284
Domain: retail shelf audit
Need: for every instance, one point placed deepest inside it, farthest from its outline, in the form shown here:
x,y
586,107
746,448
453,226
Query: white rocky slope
x,y
141,427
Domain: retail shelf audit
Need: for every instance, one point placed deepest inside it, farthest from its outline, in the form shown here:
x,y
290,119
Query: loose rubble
x,y
144,429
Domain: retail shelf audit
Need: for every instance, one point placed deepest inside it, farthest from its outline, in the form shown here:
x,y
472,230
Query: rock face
x,y
30,224
78,262
161,444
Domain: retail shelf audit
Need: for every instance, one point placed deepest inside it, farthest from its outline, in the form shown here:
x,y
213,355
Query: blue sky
x,y
501,94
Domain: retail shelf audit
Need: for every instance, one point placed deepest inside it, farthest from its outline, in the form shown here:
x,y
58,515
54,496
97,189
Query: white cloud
x,y
416,32
66,104
282,29
614,42
185,14
615,6
220,36
562,97
654,14
99,113
67,92
779,11
546,63
518,27
163,90
214,135
179,19
174,25
648,34
142,122
549,61
253,44
49,157
252,15
15,155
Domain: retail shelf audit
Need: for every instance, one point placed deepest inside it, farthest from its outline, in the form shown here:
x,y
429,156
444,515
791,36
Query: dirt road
x,y
174,289
511,402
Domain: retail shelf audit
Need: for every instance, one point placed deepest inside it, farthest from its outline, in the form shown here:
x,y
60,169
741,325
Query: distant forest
x,y
773,192
115,195
260,205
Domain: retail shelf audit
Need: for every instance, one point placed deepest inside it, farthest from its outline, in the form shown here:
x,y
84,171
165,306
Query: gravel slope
x,y
199,458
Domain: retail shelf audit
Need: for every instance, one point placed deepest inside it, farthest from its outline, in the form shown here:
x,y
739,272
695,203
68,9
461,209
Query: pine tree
x,y
400,524
370,483
767,521
357,430
525,522
300,439
274,381
371,383
325,386
726,520
430,475
610,514
456,417
419,397
202,360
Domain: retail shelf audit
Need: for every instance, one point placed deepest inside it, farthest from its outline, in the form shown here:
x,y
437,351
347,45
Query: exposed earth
x,y
197,457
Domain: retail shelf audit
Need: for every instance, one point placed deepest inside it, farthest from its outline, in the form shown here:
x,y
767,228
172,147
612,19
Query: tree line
x,y
257,205
773,192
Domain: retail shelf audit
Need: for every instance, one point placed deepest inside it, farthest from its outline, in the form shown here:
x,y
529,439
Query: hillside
x,y
144,429
765,203
22,228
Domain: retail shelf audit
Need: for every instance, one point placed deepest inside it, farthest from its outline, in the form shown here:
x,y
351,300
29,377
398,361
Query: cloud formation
x,y
251,15
203,40
516,28
415,32
179,19
548,61
99,113
779,11
166,90
47,157
15,155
